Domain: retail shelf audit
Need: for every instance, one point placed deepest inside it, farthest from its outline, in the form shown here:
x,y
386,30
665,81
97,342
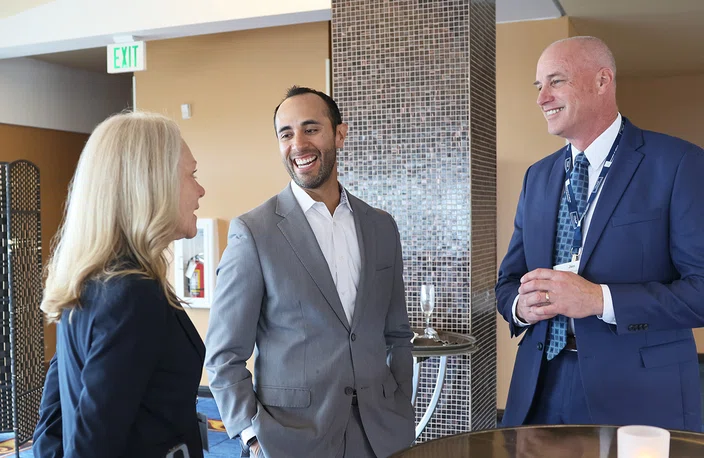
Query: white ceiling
x,y
94,59
648,37
526,10
10,7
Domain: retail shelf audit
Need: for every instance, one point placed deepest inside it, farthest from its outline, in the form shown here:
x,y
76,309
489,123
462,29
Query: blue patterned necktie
x,y
579,178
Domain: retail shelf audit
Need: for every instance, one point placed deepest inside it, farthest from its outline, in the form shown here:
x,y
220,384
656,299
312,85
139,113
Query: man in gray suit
x,y
312,280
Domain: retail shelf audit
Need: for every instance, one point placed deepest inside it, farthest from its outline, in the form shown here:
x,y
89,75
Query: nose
x,y
299,143
544,95
201,191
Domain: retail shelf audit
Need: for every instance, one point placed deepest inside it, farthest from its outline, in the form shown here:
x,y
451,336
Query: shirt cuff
x,y
608,316
247,434
517,320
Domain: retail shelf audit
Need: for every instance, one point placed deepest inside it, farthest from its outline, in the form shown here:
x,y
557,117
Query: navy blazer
x,y
646,242
124,380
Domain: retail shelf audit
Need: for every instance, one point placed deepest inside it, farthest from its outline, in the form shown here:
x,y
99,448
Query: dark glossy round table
x,y
544,442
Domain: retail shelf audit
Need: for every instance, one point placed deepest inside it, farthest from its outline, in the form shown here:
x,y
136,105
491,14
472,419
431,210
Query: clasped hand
x,y
545,293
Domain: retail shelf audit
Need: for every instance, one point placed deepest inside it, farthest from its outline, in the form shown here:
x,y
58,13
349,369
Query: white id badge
x,y
572,266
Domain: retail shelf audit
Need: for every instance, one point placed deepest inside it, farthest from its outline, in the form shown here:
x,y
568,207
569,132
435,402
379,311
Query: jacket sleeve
x,y
512,268
232,329
397,330
47,440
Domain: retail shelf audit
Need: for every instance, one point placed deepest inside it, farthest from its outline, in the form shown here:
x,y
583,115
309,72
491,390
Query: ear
x,y
604,80
341,135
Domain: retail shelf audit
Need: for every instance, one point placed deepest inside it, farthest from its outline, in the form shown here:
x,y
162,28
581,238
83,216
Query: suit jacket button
x,y
353,337
631,327
540,346
349,390
645,327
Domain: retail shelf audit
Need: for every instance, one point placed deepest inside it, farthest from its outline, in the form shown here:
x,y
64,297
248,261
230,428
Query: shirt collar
x,y
305,201
596,152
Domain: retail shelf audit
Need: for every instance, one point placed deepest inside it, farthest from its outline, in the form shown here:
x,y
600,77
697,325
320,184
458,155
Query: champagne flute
x,y
427,304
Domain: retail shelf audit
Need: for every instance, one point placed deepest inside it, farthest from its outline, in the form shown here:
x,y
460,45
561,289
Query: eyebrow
x,y
307,122
550,76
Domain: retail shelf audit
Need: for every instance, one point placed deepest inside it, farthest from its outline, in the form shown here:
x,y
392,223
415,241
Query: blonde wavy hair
x,y
123,205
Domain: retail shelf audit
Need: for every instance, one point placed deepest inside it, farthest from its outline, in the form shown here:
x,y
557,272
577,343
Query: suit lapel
x,y
191,332
366,237
553,194
299,235
625,164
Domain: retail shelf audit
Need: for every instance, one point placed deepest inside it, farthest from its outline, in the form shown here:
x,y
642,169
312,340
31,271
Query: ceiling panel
x,y
93,59
522,10
11,7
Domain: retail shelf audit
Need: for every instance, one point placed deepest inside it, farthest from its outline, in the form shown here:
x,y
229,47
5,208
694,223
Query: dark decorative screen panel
x,y
416,82
6,386
22,293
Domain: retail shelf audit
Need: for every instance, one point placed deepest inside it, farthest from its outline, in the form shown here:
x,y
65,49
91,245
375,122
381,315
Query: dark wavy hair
x,y
333,110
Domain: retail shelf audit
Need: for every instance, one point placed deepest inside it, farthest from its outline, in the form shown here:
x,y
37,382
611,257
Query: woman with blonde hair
x,y
124,380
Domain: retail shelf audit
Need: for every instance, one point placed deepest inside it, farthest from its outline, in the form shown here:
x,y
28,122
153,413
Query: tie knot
x,y
581,160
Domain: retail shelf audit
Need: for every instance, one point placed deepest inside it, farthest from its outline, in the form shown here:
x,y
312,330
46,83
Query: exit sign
x,y
127,57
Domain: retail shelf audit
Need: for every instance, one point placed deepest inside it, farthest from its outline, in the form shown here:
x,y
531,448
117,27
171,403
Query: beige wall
x,y
522,139
56,154
673,105
233,82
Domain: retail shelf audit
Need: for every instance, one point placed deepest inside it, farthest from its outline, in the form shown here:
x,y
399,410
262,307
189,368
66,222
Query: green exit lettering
x,y
125,56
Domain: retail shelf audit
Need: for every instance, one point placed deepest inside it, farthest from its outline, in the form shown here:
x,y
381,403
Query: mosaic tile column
x,y
415,79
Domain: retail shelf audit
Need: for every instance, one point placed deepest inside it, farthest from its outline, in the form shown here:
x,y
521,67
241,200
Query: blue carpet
x,y
221,446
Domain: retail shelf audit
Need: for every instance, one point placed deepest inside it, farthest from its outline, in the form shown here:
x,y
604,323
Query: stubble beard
x,y
327,160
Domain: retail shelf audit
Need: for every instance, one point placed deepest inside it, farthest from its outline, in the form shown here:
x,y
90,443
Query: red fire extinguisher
x,y
196,287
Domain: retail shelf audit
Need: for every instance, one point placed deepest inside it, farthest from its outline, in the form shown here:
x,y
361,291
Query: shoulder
x,y
124,296
266,208
539,172
660,143
258,217
658,148
379,216
382,215
119,286
548,162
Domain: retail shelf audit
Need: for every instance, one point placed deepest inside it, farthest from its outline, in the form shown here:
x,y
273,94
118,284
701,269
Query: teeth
x,y
552,112
304,162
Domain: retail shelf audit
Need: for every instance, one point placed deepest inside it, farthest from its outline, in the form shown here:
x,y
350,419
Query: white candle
x,y
643,442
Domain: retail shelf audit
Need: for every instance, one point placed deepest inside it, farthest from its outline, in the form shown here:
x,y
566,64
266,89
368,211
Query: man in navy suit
x,y
604,274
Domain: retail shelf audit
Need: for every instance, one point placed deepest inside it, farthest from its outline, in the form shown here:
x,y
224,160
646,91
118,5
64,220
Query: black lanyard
x,y
575,218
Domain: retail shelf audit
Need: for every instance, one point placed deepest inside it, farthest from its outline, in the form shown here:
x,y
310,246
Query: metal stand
x,y
447,344
22,332
439,383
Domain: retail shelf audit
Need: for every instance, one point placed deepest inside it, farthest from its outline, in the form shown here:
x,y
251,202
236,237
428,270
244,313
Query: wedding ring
x,y
547,297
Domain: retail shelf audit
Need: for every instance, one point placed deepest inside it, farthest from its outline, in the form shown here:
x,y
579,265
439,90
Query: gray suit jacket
x,y
275,296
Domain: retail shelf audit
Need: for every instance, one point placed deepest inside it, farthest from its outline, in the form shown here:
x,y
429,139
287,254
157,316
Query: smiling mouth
x,y
305,162
553,111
